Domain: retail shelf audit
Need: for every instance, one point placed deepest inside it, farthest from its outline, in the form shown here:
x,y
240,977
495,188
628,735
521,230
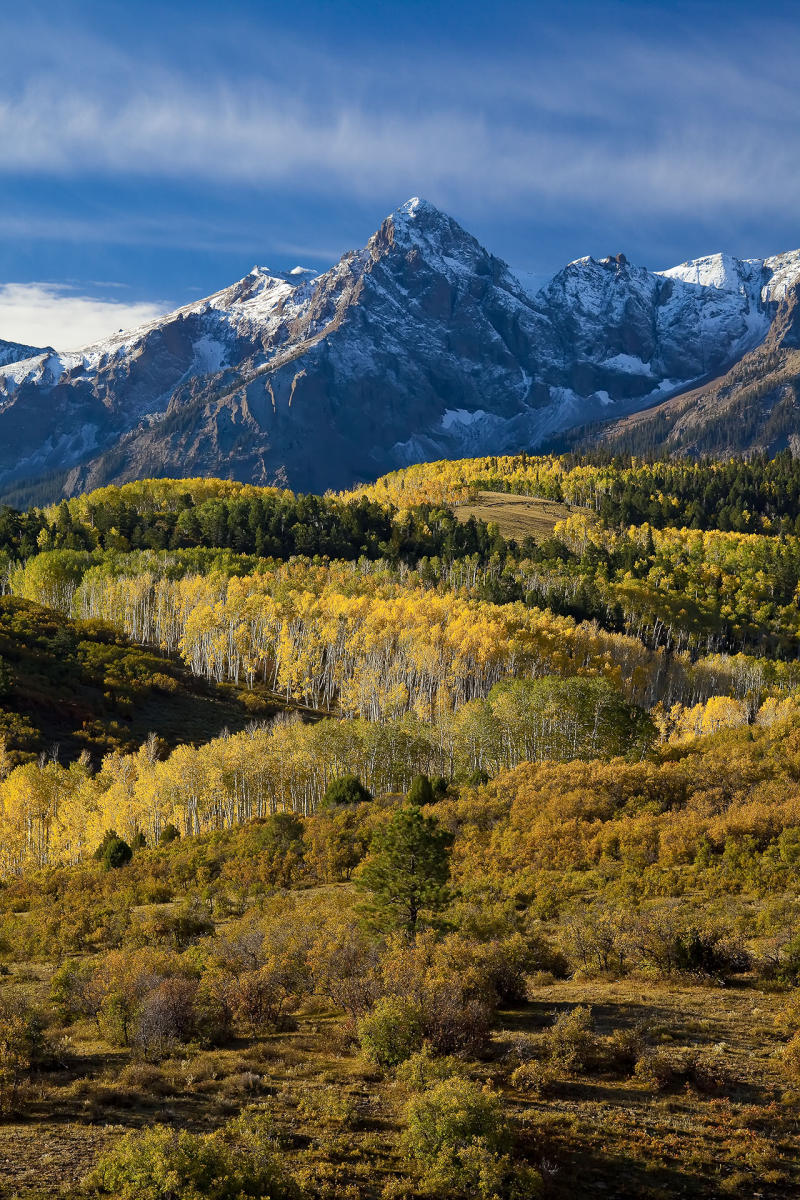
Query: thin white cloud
x,y
46,314
670,127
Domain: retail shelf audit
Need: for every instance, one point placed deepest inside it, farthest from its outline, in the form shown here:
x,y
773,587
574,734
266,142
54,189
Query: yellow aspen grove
x,y
335,639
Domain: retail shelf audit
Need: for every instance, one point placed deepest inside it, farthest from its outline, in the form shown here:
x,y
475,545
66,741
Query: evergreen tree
x,y
420,791
347,789
407,870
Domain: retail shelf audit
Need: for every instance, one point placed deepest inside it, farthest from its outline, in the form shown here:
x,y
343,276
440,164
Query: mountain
x,y
422,345
754,406
12,352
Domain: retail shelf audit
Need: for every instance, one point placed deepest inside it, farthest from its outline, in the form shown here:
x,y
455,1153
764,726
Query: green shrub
x,y
347,789
457,1137
790,1058
572,1044
22,1047
177,928
160,1164
73,992
6,679
117,854
439,785
624,1049
424,1068
421,791
391,1032
656,1069
329,1105
534,1077
667,941
113,851
170,833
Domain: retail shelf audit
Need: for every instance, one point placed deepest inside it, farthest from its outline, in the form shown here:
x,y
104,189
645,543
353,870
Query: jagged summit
x,y
420,345
764,280
420,223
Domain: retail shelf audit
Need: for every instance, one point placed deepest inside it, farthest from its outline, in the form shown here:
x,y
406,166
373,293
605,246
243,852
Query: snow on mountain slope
x,y
721,271
784,272
751,408
420,345
764,281
12,352
254,305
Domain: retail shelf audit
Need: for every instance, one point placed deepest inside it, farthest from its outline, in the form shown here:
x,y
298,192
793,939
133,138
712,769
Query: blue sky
x,y
151,153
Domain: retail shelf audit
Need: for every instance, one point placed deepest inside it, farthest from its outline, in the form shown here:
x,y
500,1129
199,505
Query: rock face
x,y
11,352
755,406
422,345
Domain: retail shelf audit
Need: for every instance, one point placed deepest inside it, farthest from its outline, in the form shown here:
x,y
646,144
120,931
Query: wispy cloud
x,y
47,314
665,126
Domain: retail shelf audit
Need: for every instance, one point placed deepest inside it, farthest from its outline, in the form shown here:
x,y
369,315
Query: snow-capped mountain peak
x,y
420,345
764,281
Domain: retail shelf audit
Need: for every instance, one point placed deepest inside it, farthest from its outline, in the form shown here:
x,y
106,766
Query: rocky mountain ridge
x,y
421,345
755,406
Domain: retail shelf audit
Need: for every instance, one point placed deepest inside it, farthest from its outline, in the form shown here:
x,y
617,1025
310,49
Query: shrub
x,y
347,789
170,833
177,929
572,1043
453,982
458,1138
264,998
345,966
74,991
666,941
624,1049
6,679
117,854
421,791
439,785
534,1077
456,1016
451,985
707,1074
110,835
787,968
256,1130
506,962
166,1017
113,851
22,1047
597,938
657,1070
665,1072
391,1032
787,1017
790,1058
423,1069
328,1106
160,1164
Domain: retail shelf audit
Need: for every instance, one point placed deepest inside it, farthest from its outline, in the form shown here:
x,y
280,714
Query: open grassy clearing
x,y
516,517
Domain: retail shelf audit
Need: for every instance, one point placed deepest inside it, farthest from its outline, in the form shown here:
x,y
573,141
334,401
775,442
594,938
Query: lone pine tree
x,y
407,870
